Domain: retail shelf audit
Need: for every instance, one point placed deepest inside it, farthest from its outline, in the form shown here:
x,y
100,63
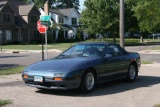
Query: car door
x,y
113,64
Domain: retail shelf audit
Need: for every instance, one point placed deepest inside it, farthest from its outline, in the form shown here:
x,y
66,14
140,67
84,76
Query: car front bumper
x,y
54,84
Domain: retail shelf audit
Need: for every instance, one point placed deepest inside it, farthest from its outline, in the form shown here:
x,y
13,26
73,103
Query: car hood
x,y
60,64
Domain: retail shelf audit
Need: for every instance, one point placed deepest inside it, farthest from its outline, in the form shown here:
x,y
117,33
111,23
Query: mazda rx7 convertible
x,y
83,66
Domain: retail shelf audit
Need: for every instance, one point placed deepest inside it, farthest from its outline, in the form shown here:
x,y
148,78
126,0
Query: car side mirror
x,y
108,55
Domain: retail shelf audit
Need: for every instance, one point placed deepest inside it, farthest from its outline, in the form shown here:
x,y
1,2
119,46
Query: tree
x,y
56,4
100,16
148,15
131,22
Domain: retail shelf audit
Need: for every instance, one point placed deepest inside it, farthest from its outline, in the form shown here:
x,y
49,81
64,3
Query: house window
x,y
61,20
8,34
74,21
66,34
6,17
34,19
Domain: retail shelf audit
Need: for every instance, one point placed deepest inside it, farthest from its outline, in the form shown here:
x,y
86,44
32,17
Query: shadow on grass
x,y
13,56
108,88
142,44
2,66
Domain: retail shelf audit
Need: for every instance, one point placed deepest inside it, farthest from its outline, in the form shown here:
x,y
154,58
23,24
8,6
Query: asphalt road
x,y
151,57
15,59
144,92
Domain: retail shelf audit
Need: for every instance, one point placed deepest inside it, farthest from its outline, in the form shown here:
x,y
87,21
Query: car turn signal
x,y
25,76
58,78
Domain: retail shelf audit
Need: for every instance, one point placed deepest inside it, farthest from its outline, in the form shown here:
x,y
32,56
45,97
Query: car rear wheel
x,y
88,82
131,74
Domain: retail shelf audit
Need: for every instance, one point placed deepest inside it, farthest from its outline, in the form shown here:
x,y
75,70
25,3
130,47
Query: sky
x,y
81,4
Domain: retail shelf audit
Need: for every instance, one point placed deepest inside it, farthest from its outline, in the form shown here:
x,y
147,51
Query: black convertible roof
x,y
105,43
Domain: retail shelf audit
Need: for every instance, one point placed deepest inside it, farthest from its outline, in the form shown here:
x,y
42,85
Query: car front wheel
x,y
88,82
131,74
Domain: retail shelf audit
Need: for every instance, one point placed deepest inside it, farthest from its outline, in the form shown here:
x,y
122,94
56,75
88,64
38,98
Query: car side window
x,y
107,50
114,50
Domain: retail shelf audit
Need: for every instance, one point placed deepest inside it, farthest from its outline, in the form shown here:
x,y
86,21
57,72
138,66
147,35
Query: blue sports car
x,y
83,66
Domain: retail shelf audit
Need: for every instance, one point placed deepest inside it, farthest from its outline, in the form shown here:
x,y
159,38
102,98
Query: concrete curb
x,y
150,51
29,51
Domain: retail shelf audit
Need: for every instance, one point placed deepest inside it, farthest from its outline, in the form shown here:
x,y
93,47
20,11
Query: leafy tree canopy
x,y
56,4
99,16
148,15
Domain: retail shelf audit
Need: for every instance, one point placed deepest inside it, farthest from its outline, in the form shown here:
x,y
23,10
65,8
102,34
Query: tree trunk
x,y
102,38
141,39
114,38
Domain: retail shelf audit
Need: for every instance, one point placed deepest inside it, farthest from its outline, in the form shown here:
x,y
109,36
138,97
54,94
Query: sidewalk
x,y
28,51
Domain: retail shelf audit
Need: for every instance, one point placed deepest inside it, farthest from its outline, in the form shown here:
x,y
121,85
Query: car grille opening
x,y
46,84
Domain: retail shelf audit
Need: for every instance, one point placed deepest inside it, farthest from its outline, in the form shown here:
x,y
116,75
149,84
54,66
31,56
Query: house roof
x,y
2,4
27,9
19,21
15,5
66,12
56,11
62,12
18,6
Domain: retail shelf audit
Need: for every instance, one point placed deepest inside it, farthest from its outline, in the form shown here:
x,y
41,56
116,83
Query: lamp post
x,y
1,38
70,33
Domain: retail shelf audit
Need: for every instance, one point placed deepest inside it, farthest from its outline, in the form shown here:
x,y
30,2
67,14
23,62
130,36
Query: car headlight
x,y
59,74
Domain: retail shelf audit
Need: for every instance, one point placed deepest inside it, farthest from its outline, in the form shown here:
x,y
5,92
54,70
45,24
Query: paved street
x,y
15,59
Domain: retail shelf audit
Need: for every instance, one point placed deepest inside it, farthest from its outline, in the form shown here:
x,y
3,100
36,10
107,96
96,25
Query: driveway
x,y
144,92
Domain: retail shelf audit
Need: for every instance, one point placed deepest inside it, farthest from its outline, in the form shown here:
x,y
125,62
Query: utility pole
x,y
46,11
121,25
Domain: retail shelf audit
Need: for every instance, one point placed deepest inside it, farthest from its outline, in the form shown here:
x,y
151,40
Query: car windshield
x,y
85,50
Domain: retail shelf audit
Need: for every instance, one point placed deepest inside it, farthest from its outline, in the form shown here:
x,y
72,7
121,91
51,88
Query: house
x,y
18,21
65,19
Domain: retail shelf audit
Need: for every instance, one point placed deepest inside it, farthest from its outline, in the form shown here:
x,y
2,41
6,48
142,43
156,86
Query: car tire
x,y
88,81
132,73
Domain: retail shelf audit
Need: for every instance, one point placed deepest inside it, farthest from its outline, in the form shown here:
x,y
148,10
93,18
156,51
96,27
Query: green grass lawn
x,y
156,48
61,46
13,70
64,46
4,102
146,62
157,105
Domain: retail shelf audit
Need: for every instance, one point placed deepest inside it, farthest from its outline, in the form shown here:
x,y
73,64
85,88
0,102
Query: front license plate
x,y
38,78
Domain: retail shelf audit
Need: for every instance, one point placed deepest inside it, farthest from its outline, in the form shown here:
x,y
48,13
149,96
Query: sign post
x,y
45,20
42,25
42,29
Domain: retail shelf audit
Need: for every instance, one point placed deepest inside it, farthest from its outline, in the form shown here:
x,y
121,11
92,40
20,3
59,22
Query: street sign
x,y
45,18
46,23
41,28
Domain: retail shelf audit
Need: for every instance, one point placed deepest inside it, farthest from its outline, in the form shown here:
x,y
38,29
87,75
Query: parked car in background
x,y
154,36
83,66
136,36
